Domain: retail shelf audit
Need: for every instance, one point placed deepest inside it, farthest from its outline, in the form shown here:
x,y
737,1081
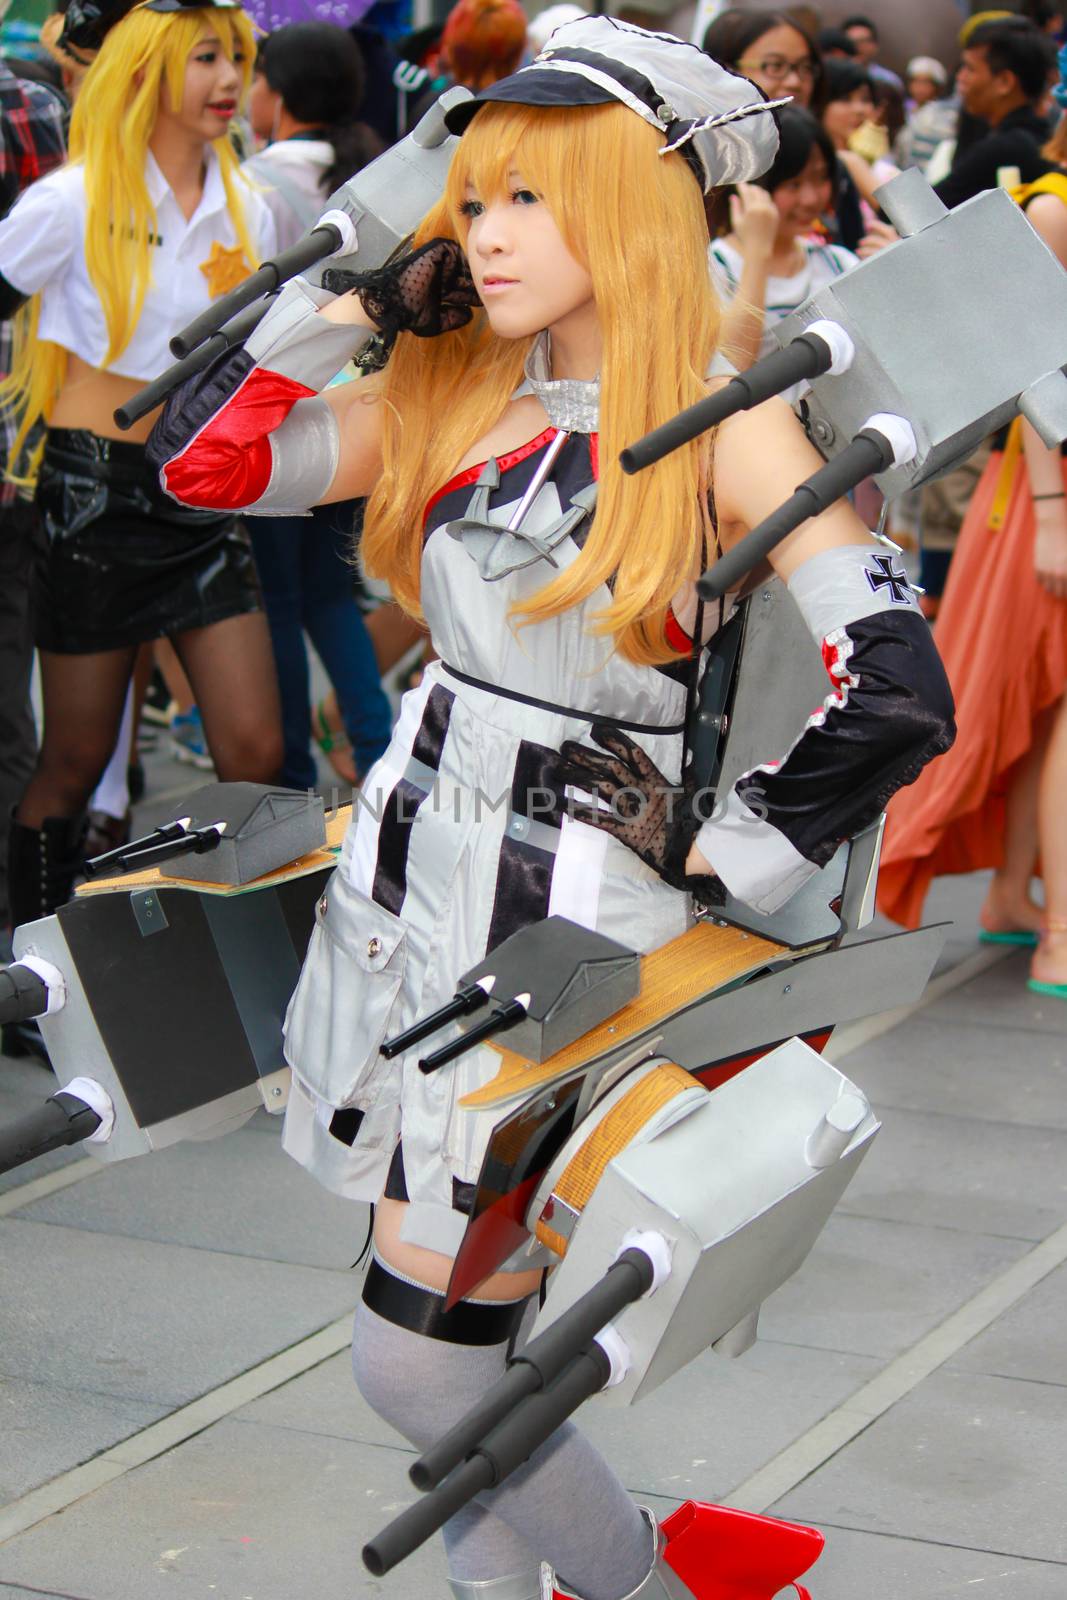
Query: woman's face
x,y
524,273
210,93
780,63
800,201
264,104
842,118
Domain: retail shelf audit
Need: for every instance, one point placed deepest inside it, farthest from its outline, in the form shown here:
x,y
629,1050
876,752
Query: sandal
x,y
334,743
1057,991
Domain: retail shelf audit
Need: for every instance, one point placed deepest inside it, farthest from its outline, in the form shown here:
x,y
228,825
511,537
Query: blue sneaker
x,y
187,741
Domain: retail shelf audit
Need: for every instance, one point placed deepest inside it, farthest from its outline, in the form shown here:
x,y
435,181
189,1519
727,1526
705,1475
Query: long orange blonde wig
x,y
635,221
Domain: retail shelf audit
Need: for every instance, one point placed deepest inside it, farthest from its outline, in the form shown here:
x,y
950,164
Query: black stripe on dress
x,y
524,869
398,815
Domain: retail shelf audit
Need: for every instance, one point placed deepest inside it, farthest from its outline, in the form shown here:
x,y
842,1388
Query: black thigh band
x,y
563,711
409,1305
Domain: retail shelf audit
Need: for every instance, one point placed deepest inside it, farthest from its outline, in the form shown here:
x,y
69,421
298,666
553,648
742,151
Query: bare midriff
x,y
433,1269
89,397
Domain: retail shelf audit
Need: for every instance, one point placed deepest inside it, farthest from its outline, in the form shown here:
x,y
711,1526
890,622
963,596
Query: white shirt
x,y
292,171
42,248
823,263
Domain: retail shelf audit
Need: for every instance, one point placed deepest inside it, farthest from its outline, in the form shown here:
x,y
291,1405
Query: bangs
x,y
544,143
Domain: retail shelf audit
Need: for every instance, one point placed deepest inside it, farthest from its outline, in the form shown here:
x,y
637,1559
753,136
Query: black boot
x,y
42,864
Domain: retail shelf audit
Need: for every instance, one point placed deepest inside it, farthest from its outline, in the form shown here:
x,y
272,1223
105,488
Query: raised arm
x,y
253,432
754,225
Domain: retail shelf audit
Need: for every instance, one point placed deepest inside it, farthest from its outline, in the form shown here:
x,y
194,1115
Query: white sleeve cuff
x,y
756,863
837,587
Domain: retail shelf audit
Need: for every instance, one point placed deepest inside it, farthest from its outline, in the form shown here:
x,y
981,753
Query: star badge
x,y
224,269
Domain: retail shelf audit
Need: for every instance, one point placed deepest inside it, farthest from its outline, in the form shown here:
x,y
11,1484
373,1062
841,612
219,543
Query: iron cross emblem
x,y
888,577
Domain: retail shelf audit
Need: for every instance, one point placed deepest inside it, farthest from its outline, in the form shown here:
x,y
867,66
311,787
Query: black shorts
x,y
119,563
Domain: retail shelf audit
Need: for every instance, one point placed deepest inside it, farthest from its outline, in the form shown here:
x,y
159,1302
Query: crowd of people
x,y
230,155
454,412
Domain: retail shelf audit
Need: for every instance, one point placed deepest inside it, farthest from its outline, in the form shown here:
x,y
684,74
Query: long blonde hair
x,y
113,119
635,220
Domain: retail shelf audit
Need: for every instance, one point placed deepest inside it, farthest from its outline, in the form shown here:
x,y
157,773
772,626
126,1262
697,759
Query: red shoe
x,y
711,1553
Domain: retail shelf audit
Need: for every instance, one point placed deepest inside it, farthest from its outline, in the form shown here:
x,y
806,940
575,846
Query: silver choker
x,y
571,404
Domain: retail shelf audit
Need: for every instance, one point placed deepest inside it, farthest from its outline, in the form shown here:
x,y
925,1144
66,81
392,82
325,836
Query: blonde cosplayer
x,y
635,220
112,123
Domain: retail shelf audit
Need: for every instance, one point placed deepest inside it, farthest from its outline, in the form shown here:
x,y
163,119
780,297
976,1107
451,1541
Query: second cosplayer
x,y
556,305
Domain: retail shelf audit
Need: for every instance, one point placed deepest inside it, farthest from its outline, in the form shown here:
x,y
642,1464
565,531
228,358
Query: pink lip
x,y
495,285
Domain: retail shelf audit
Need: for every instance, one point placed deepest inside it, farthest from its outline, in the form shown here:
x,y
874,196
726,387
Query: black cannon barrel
x,y
870,451
804,357
112,859
470,998
538,1364
235,331
271,275
511,1443
509,1015
23,993
63,1119
196,842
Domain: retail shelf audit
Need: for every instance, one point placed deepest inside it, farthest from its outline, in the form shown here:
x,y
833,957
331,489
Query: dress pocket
x,y
340,1011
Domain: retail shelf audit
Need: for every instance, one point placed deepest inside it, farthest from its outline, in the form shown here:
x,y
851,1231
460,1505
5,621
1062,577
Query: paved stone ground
x,y
145,1288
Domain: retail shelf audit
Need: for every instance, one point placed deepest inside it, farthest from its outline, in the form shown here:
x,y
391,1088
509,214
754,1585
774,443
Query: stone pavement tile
x,y
148,1321
712,1425
964,1460
876,1287
702,1433
963,1173
8,1593
44,1431
1026,1342
967,1070
240,1194
238,1513
1000,998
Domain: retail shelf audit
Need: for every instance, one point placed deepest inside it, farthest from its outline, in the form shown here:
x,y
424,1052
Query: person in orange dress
x,y
997,799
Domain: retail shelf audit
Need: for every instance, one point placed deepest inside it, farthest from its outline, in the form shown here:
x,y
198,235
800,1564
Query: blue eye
x,y
525,197
471,208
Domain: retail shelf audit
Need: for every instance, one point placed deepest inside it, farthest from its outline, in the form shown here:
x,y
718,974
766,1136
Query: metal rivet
x,y
322,906
276,1093
788,989
550,1105
667,113
374,946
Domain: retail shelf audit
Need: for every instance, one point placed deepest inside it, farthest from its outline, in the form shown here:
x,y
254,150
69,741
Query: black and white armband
x,y
889,711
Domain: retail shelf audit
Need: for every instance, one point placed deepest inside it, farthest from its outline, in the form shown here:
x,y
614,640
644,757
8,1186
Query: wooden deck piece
x,y
704,958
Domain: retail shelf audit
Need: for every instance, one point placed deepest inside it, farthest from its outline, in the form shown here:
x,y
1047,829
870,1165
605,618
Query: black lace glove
x,y
425,293
656,819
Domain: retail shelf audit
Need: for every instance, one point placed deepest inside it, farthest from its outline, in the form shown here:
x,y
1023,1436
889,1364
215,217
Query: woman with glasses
x,y
770,48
